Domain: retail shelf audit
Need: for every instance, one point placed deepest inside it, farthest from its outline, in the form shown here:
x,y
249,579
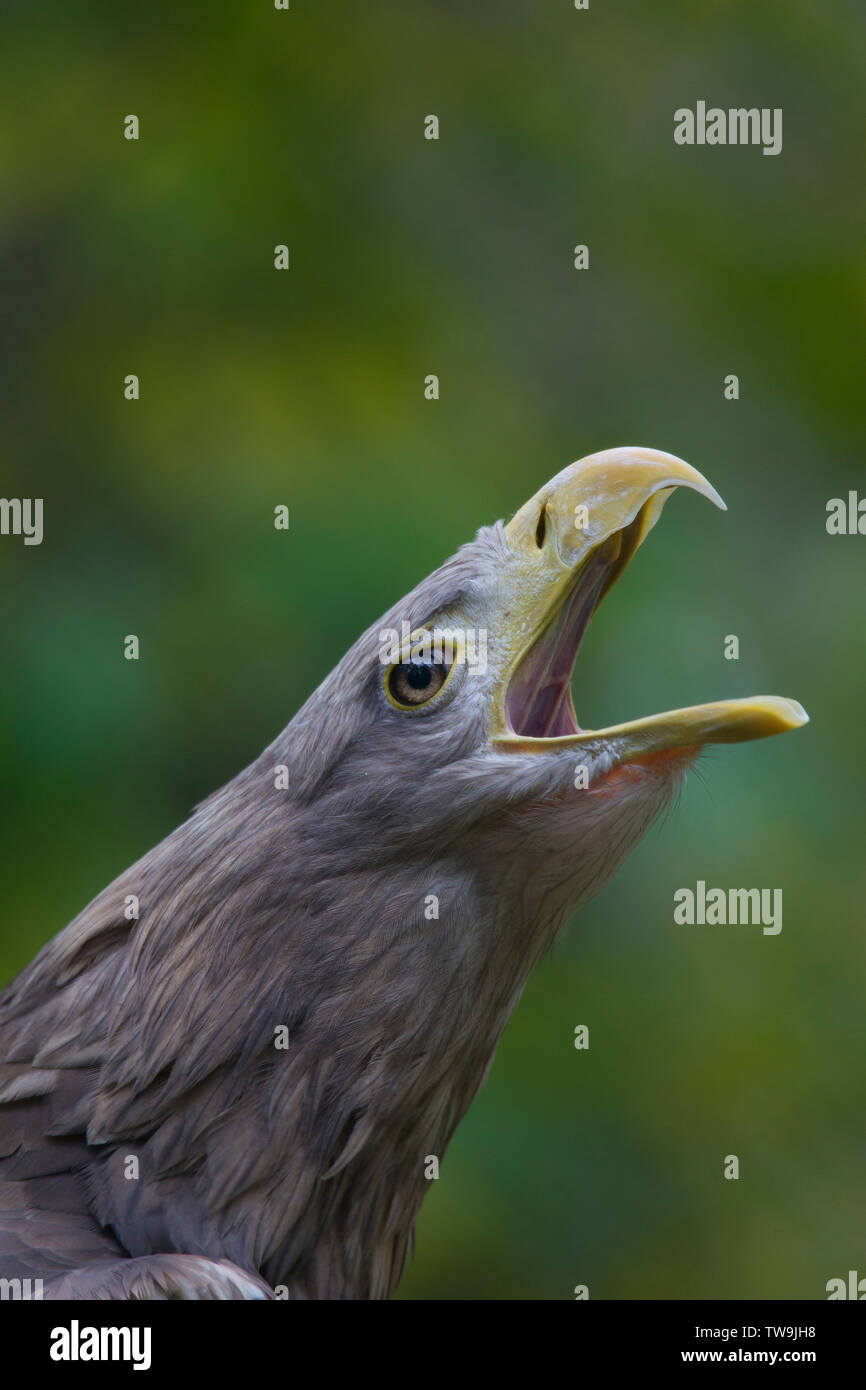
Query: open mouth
x,y
561,576
538,703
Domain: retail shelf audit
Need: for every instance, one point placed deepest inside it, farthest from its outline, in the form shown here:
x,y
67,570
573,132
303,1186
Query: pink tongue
x,y
539,699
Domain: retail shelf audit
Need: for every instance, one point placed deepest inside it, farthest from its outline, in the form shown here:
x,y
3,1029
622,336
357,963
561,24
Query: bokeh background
x,y
306,388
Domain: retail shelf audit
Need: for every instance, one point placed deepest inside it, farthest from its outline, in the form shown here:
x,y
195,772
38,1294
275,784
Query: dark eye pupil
x,y
418,676
416,682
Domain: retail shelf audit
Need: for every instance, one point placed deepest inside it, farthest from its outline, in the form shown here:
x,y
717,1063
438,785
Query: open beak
x,y
571,542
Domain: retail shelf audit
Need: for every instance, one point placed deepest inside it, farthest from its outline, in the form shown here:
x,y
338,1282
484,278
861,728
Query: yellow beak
x,y
568,544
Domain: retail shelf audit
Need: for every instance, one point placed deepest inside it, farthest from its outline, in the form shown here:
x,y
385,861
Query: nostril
x,y
541,528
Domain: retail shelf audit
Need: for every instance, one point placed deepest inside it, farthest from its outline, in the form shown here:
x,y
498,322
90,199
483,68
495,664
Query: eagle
x,y
226,1077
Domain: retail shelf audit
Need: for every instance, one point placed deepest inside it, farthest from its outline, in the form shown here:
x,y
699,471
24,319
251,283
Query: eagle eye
x,y
413,683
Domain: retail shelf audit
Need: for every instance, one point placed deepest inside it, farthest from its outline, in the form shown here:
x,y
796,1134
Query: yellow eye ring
x,y
426,664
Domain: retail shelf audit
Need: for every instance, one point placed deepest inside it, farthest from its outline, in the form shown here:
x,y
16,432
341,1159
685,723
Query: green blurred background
x,y
306,388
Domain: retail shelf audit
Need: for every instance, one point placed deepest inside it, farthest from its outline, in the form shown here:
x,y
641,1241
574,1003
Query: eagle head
x,y
326,953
